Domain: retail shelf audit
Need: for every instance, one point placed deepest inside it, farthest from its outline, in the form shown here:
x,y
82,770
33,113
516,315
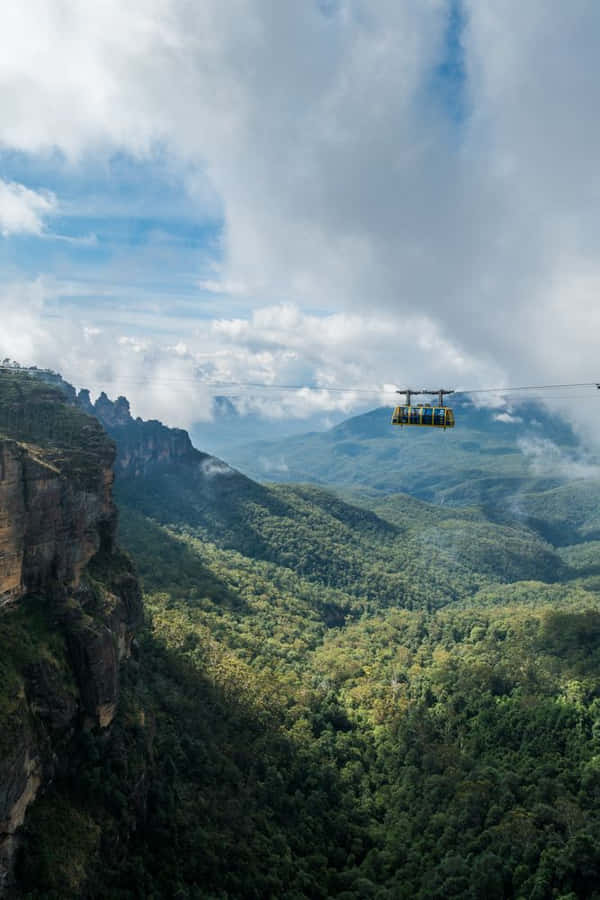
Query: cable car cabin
x,y
424,414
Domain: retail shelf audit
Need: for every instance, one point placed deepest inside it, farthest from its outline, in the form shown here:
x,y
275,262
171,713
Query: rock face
x,y
69,601
49,525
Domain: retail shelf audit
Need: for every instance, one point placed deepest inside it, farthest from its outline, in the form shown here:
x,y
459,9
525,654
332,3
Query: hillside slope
x,y
415,562
456,734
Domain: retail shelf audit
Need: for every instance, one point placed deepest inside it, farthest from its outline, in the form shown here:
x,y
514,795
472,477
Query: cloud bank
x,y
398,202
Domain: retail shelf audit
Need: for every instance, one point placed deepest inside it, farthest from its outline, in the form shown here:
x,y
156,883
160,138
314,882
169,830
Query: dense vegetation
x,y
378,698
31,412
352,695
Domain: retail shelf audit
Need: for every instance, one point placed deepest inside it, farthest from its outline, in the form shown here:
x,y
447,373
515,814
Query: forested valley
x,y
341,694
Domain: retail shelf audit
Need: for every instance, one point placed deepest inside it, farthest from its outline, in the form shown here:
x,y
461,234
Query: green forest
x,y
351,693
341,696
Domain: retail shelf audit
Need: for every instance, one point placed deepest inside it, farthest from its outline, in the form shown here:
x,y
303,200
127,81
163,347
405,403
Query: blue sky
x,y
125,234
449,81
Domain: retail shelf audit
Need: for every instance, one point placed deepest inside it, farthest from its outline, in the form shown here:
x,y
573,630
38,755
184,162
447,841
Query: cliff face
x,y
49,525
69,602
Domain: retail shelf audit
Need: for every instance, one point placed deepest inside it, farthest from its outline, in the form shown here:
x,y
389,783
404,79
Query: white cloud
x,y
275,345
222,287
175,381
546,458
22,211
211,467
23,335
158,382
508,418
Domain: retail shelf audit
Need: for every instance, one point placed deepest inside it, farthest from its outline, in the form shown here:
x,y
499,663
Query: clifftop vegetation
x,y
35,414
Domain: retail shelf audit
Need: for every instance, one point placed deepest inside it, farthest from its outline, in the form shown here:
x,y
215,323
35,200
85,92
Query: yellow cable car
x,y
424,414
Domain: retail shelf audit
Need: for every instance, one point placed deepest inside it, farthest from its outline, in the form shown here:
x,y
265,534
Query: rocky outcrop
x,y
69,601
111,413
21,780
84,402
143,446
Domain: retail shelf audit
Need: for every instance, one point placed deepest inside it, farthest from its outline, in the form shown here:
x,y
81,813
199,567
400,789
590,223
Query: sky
x,y
340,193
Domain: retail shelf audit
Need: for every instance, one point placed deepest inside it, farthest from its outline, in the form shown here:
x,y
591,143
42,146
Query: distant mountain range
x,y
489,456
229,427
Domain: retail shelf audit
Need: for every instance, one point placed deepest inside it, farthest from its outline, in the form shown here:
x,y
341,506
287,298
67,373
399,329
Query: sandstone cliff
x,y
69,602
